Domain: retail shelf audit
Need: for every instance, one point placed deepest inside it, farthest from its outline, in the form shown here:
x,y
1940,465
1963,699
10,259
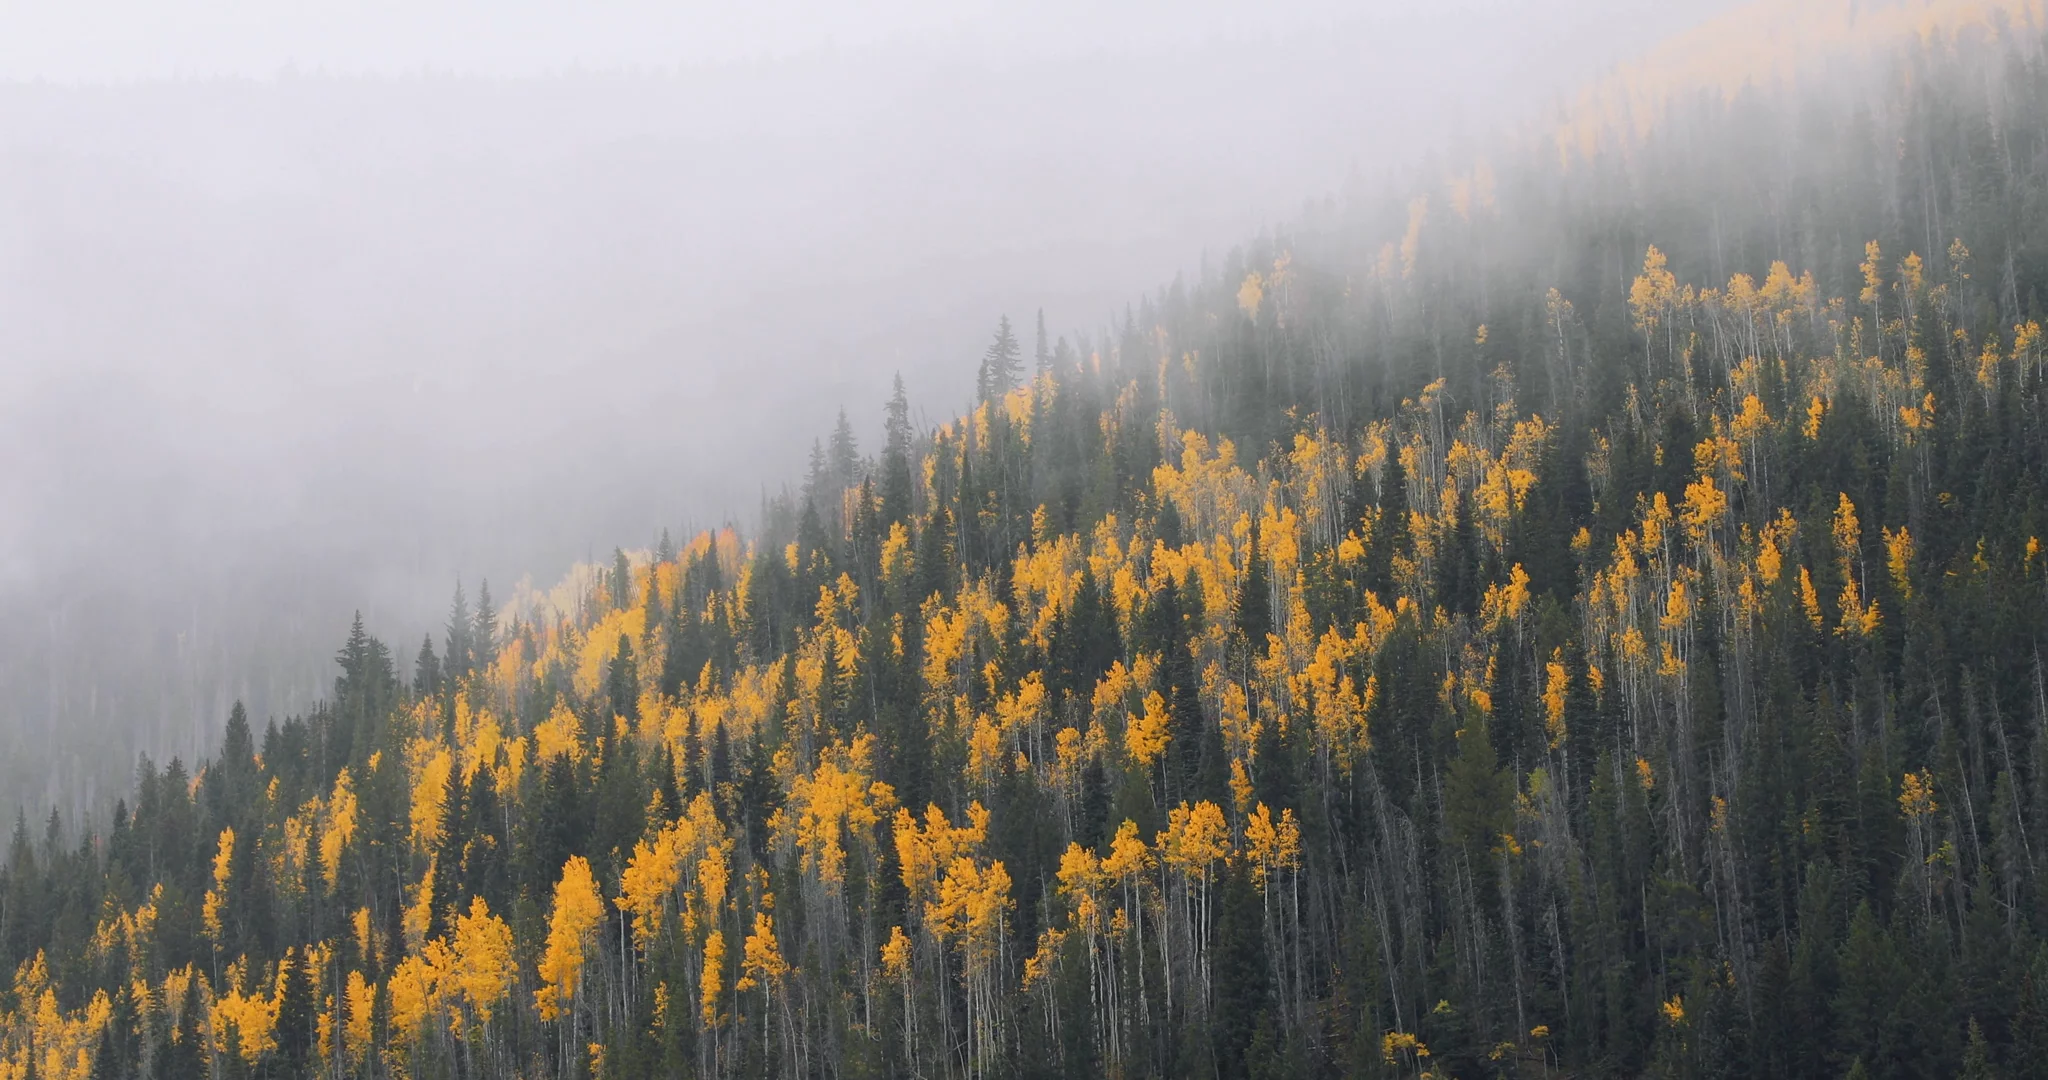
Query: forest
x,y
1583,617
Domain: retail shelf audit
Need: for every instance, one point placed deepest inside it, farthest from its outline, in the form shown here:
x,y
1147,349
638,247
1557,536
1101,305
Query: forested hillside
x,y
1582,618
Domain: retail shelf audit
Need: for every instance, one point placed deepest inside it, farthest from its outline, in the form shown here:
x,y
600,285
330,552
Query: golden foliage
x,y
712,981
1557,681
836,803
484,964
1147,734
252,1015
338,828
560,733
1271,846
1916,794
431,765
216,897
896,954
359,998
577,910
761,962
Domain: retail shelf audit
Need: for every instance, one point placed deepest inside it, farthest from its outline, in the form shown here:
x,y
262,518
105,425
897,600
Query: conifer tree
x,y
1000,365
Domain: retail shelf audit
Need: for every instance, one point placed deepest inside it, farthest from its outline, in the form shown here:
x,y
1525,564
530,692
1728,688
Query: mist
x,y
310,313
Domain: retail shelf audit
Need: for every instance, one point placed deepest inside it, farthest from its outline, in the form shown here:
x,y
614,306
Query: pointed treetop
x,y
1000,366
1043,353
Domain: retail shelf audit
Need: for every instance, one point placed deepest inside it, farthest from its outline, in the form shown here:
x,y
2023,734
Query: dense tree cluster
x,y
1498,651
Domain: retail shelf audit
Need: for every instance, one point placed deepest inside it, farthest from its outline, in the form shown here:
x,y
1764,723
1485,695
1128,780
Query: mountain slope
x,y
1586,615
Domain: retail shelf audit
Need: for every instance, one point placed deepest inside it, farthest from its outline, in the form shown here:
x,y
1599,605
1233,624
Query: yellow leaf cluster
x,y
695,841
837,802
1916,794
1556,682
431,765
560,733
761,962
359,997
921,853
216,897
972,904
338,828
577,910
252,1016
601,642
1147,734
713,978
1271,846
1195,838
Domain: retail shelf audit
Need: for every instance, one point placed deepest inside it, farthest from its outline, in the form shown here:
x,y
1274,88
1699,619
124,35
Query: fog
x,y
314,308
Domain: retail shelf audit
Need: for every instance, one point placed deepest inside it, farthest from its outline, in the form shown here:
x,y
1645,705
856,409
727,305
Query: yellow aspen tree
x,y
338,829
430,798
365,941
1898,550
896,967
712,982
577,910
359,1001
418,916
1146,735
972,910
251,1014
561,733
1809,598
1857,619
761,964
415,993
1873,284
650,876
1652,294
1195,839
484,965
1556,683
216,897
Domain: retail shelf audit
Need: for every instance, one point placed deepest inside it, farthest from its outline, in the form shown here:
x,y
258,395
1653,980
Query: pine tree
x,y
845,454
426,670
1000,365
1254,599
622,681
484,633
1041,353
1976,1063
896,479
295,1016
620,582
459,653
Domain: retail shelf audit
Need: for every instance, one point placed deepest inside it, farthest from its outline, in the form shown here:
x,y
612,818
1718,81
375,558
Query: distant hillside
x,y
1775,48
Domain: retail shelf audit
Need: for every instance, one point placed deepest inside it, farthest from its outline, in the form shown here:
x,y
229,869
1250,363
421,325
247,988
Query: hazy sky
x,y
313,307
94,40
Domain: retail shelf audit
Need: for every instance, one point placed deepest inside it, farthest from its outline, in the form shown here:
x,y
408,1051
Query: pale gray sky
x,y
314,306
97,40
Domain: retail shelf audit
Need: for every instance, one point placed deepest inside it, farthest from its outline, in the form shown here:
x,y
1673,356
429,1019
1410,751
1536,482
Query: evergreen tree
x,y
1254,602
896,479
845,454
1000,365
1041,353
484,634
426,670
459,655
622,681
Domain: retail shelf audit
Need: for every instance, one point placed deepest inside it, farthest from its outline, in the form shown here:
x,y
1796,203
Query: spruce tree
x,y
896,478
483,638
1001,365
459,655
